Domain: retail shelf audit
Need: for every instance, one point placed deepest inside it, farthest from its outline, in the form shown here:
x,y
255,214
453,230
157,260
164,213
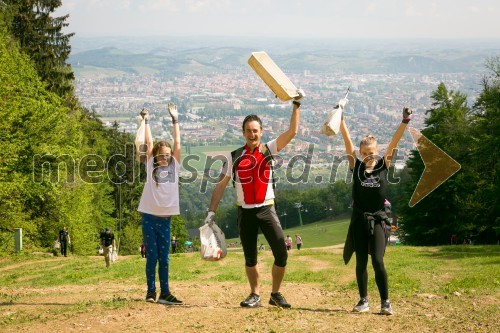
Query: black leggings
x,y
64,248
365,242
265,218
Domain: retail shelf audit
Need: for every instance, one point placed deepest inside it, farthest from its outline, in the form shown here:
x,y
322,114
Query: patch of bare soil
x,y
214,307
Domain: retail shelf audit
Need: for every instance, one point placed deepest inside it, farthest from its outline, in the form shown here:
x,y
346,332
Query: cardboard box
x,y
273,76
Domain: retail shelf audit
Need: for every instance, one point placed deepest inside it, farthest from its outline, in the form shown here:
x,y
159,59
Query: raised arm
x,y
176,152
147,133
349,147
293,129
397,136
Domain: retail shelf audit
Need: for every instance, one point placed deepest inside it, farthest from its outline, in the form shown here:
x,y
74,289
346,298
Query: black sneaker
x,y
386,308
168,299
252,301
151,297
362,306
278,300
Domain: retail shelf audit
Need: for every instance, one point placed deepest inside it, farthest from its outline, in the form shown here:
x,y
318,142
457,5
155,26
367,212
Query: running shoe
x,y
278,300
362,306
252,301
386,308
168,299
151,297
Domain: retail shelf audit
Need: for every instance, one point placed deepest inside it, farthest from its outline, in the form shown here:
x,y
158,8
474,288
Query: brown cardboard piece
x,y
273,76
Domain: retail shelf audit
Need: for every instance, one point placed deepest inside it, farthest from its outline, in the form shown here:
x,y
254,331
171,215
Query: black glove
x,y
407,112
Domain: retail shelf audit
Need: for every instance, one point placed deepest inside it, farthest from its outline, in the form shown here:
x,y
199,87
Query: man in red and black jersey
x,y
253,177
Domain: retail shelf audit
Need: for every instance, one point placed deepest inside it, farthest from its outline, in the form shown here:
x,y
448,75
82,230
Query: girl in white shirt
x,y
159,201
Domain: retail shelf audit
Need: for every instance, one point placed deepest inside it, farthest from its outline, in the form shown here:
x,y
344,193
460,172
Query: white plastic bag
x,y
213,242
140,142
114,255
332,123
101,251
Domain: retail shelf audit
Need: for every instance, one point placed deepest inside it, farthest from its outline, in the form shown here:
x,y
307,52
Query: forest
x,y
43,128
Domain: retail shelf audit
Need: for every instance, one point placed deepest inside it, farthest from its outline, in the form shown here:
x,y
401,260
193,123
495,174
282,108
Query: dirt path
x,y
213,307
27,263
111,306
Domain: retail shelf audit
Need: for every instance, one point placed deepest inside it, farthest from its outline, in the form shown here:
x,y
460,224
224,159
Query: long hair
x,y
156,151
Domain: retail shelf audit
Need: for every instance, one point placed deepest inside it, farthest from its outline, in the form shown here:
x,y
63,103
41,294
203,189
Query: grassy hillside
x,y
432,289
318,234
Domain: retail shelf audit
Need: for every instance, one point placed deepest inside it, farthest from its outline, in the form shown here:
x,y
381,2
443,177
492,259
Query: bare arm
x,y
148,139
397,136
293,129
176,152
394,143
218,192
349,147
177,142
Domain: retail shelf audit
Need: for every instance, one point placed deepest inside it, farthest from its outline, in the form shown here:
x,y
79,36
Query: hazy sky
x,y
285,18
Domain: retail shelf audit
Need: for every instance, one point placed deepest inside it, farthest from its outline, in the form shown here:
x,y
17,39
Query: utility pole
x,y
298,205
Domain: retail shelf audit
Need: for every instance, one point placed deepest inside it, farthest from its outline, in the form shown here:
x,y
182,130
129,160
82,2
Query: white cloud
x,y
158,5
412,12
372,7
382,18
70,5
473,9
197,5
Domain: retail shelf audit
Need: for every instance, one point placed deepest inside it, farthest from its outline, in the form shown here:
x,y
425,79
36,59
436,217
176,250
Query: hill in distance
x,y
202,56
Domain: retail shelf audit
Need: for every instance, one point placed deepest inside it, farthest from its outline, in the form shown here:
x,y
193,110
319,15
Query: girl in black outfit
x,y
367,231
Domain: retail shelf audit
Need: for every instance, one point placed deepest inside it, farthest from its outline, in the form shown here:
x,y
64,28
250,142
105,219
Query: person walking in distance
x,y
108,244
159,201
250,168
367,233
288,243
64,240
174,245
298,241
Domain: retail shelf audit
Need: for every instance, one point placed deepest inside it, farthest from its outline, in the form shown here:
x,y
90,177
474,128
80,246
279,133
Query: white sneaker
x,y
386,308
362,306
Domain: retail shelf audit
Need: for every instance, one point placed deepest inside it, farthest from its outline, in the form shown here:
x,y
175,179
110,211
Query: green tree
x,y
483,201
467,203
178,229
435,218
40,36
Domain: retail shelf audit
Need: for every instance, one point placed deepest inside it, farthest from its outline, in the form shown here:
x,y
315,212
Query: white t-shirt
x,y
163,199
269,191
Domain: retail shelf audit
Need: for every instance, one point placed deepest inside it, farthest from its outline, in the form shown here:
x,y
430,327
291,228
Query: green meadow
x,y
427,285
318,234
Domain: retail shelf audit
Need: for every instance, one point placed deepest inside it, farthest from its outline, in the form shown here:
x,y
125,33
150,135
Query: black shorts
x,y
265,218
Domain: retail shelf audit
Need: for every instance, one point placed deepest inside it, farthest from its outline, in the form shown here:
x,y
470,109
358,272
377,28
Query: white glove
x,y
172,109
342,103
210,218
301,94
